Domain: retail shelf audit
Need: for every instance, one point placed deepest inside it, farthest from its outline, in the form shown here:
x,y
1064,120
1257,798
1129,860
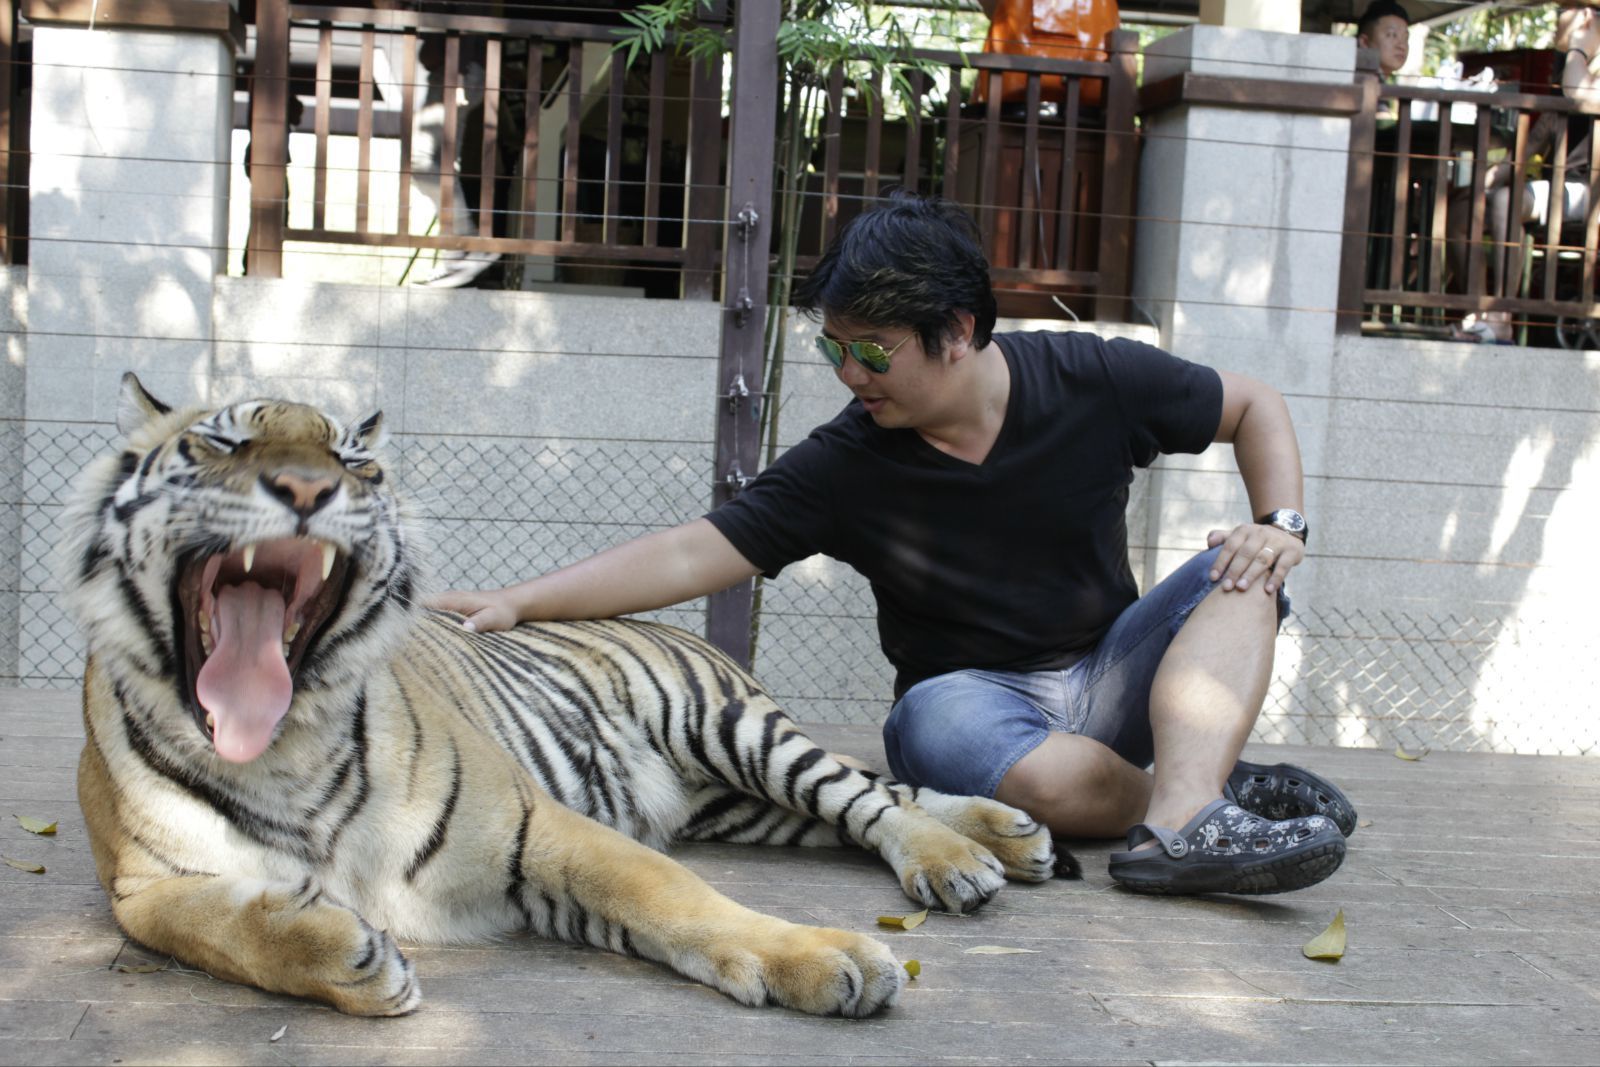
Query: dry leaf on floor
x,y
24,865
913,968
996,950
1401,753
35,826
284,1029
1364,823
904,922
140,968
1328,945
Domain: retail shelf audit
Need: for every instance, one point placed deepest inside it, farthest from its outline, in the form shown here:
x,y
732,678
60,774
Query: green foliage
x,y
1489,31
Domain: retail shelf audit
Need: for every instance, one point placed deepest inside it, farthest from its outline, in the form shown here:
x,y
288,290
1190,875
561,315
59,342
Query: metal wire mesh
x,y
497,510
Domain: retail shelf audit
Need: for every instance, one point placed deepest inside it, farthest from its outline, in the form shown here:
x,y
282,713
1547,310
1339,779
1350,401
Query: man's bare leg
x,y
1203,702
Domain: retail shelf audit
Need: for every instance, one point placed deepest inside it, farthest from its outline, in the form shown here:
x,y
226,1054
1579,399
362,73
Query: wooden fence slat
x,y
1067,202
532,110
1510,252
652,146
1592,220
1115,253
1402,197
1480,168
613,200
408,116
364,131
1032,190
703,202
1357,205
1558,207
447,150
913,161
569,179
875,102
831,126
952,132
269,139
988,190
319,193
1438,249
490,156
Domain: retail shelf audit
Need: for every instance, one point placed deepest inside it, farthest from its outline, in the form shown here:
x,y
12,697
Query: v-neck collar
x,y
1001,438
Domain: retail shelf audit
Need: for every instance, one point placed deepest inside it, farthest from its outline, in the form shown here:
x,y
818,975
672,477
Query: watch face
x,y
1292,521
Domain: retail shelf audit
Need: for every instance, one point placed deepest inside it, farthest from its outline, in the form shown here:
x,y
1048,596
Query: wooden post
x,y
269,138
744,289
8,78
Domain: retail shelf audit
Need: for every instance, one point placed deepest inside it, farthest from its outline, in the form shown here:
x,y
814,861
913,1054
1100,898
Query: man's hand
x,y
1252,552
485,612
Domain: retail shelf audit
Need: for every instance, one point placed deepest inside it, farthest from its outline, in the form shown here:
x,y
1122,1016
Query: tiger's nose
x,y
303,496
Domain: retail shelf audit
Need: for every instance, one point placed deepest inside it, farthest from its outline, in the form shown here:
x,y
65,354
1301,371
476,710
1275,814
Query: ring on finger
x,y
1268,551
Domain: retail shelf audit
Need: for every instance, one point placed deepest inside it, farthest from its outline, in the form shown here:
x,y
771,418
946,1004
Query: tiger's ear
x,y
370,431
135,407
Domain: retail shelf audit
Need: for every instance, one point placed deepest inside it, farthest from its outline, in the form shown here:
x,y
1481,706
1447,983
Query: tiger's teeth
x,y
249,557
328,554
211,722
207,645
290,632
205,623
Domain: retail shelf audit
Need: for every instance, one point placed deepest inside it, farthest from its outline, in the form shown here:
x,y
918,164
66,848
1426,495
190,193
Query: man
x,y
980,482
1386,27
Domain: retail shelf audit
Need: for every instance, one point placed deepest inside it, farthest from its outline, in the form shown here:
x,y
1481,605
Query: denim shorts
x,y
961,732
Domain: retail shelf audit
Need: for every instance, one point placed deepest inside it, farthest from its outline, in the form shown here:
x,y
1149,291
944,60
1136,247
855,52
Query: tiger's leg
x,y
280,937
758,751
582,881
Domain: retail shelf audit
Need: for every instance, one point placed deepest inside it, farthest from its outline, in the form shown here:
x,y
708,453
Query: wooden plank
x,y
569,179
364,130
319,200
652,147
489,160
8,78
269,139
533,105
1357,207
913,162
1115,254
1271,94
1027,220
952,131
831,126
1437,248
1067,197
873,162
1558,207
613,189
447,139
988,187
408,108
524,246
1476,206
1402,200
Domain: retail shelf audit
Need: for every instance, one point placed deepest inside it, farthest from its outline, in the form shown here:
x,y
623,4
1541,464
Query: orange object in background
x,y
1060,29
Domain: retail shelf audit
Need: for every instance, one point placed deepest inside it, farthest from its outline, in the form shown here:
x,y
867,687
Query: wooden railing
x,y
1051,187
1050,180
665,211
13,142
1440,209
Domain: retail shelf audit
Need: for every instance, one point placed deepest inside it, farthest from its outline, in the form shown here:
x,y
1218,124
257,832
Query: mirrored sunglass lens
x,y
870,355
830,348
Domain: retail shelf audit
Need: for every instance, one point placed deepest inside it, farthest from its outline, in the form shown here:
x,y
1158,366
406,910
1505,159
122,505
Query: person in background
x,y
1386,28
979,481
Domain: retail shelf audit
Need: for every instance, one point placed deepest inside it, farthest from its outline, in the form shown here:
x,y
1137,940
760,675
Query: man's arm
x,y
1255,420
653,571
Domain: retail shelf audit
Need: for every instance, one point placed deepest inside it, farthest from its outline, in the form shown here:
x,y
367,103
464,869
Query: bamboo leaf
x,y
35,826
24,865
904,922
998,950
1328,945
279,1032
1401,753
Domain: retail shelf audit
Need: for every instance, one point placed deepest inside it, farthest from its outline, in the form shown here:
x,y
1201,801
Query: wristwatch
x,y
1288,520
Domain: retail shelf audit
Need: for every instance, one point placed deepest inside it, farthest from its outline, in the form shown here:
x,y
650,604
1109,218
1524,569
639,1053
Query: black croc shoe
x,y
1284,791
1226,849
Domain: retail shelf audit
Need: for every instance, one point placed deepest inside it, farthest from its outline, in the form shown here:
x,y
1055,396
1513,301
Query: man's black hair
x,y
910,261
1376,10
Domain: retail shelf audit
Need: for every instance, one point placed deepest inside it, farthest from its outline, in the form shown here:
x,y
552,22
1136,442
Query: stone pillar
x,y
128,209
1237,253
1274,15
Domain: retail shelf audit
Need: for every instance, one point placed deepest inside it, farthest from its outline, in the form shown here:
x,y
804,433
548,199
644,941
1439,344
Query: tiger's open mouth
x,y
247,619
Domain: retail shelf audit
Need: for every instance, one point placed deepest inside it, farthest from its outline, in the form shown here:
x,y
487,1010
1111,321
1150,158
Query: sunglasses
x,y
869,354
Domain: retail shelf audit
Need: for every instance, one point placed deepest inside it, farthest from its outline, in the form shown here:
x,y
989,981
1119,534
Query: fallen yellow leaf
x,y
913,968
36,826
1328,945
279,1032
996,950
24,865
1364,823
904,922
1403,754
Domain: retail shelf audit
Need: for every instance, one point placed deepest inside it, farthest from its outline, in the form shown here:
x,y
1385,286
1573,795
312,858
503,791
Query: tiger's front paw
x,y
1022,845
331,953
811,969
940,868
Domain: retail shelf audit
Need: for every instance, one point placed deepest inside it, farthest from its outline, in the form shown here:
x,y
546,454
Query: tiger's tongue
x,y
245,683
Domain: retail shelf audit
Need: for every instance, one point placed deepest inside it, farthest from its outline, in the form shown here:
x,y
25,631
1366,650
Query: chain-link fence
x,y
500,509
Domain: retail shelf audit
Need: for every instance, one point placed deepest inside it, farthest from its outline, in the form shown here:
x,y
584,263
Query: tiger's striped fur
x,y
422,779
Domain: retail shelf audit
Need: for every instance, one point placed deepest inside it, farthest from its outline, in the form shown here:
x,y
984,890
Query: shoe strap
x,y
1174,842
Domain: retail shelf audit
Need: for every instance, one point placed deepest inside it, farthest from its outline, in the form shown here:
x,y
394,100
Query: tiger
x,y
291,765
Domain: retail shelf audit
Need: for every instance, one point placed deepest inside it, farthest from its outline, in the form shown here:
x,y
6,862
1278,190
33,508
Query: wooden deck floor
x,y
1472,902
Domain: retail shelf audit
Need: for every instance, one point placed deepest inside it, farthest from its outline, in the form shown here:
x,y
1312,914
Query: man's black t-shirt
x,y
1019,563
